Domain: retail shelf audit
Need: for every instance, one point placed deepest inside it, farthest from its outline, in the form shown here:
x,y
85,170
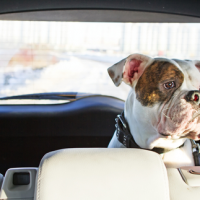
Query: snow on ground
x,y
71,75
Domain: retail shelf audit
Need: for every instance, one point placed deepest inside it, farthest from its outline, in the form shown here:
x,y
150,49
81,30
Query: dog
x,y
162,109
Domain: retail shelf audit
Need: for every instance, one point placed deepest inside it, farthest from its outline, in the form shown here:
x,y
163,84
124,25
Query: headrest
x,y
102,174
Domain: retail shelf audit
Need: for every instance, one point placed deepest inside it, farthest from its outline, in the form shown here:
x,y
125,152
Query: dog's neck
x,y
141,126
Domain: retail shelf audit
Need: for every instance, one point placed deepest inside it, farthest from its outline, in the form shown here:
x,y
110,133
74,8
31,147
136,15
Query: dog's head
x,y
166,90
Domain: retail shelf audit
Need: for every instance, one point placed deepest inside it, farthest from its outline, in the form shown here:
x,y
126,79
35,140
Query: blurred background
x,y
40,57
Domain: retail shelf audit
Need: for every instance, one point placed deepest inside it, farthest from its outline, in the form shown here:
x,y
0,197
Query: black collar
x,y
124,136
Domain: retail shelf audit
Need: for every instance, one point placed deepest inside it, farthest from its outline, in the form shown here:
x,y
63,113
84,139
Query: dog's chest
x,y
179,157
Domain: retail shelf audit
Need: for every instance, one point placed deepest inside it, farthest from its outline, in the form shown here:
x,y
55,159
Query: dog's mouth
x,y
164,134
170,136
191,135
182,120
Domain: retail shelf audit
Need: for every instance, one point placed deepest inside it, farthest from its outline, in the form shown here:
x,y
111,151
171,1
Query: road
x,y
71,75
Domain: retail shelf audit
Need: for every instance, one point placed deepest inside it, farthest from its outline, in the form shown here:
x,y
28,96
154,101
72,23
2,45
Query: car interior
x,y
59,150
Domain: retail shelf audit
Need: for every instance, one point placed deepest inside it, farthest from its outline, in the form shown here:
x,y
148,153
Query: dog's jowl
x,y
162,109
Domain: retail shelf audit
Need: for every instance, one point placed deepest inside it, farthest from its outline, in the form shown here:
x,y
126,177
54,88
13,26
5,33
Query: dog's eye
x,y
169,85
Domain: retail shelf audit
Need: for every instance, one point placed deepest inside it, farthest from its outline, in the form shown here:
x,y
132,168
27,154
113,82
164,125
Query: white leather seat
x,y
181,190
102,174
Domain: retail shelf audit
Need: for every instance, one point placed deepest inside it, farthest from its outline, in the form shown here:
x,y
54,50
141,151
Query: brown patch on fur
x,y
116,80
111,74
150,86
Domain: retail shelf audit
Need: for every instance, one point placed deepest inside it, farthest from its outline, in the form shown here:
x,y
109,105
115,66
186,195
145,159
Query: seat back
x,y
102,174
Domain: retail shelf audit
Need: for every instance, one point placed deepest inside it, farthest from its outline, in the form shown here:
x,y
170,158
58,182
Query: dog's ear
x,y
129,69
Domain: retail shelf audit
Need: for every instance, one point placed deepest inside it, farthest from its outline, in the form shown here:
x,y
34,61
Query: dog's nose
x,y
193,96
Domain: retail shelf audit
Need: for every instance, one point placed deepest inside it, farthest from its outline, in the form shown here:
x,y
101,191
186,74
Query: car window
x,y
43,57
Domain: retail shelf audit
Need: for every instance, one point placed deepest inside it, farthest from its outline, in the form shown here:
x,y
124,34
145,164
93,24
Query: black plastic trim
x,y
190,8
89,116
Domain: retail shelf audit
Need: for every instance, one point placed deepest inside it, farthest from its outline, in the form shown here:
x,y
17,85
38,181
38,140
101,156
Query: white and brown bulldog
x,y
163,106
